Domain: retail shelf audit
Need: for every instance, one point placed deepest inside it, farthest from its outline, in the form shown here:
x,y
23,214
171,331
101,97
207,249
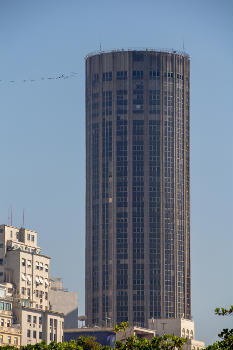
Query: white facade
x,y
179,327
26,273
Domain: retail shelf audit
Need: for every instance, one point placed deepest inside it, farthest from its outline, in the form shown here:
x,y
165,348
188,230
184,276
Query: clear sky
x,y
42,142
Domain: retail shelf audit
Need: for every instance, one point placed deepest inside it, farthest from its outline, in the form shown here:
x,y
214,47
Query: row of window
x,y
38,280
5,323
39,265
10,340
5,306
136,75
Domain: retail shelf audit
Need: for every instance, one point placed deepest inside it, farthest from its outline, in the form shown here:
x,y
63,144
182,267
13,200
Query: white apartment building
x,y
27,271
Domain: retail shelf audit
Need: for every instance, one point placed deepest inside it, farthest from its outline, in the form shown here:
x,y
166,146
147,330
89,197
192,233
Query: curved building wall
x,y
137,187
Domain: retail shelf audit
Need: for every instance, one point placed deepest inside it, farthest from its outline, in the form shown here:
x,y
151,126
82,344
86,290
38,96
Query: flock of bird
x,y
56,77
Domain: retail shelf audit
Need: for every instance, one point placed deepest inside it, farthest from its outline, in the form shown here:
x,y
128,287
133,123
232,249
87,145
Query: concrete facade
x,y
137,186
65,302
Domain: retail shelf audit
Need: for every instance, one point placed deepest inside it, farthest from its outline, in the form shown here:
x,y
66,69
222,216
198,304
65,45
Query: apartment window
x,y
46,267
1,261
9,339
107,102
28,333
107,76
1,245
8,323
23,262
34,334
40,320
1,273
41,266
29,318
7,306
29,263
40,335
51,322
46,296
28,236
37,293
32,238
51,336
55,337
55,323
1,339
137,74
28,292
121,75
1,305
154,74
34,319
15,341
37,265
2,322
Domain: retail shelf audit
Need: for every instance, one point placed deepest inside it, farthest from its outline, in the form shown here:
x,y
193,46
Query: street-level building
x,y
10,333
38,325
64,301
179,327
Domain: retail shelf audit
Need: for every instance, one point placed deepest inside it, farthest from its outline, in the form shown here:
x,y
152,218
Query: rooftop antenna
x,y
11,215
100,47
183,45
23,217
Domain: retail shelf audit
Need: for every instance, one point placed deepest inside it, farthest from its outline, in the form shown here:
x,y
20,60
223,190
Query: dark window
x,y
28,333
138,74
107,103
122,101
107,76
154,74
40,335
34,334
121,75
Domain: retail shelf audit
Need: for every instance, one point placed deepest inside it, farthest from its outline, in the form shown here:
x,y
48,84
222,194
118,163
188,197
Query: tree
x,y
226,335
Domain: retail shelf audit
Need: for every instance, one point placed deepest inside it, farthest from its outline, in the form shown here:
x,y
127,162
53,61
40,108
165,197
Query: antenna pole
x,y
11,215
23,217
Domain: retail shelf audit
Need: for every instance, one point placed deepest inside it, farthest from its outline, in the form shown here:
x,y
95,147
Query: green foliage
x,y
223,312
226,335
121,327
166,342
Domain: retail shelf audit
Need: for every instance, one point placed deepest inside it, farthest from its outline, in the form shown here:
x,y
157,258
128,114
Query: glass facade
x,y
137,187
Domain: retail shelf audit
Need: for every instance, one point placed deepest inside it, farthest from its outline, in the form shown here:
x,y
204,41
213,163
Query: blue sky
x,y
42,143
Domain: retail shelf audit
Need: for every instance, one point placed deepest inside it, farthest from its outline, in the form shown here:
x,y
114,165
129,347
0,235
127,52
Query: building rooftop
x,y
171,51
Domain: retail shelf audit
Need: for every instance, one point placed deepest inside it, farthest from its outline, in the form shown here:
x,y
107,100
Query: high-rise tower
x,y
137,186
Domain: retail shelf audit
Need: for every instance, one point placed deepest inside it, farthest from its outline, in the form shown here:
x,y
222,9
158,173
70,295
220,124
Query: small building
x,y
107,336
10,333
64,301
179,327
38,325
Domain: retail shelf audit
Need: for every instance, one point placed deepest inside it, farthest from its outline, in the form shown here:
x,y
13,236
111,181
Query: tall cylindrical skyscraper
x,y
137,186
